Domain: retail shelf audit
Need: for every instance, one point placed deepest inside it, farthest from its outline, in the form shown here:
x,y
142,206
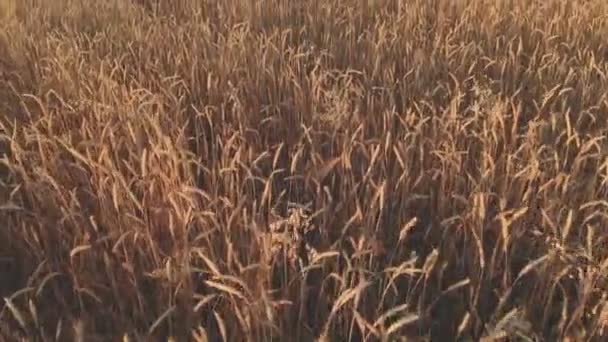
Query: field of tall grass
x,y
298,170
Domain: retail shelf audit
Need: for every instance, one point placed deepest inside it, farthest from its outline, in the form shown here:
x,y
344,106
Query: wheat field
x,y
302,170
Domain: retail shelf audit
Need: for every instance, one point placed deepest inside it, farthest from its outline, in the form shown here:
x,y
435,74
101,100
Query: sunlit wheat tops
x,y
280,170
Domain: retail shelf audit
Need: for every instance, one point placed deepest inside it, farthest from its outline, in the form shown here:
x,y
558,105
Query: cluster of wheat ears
x,y
296,170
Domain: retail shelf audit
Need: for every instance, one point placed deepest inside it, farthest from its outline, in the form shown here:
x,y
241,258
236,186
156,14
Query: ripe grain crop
x,y
338,170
